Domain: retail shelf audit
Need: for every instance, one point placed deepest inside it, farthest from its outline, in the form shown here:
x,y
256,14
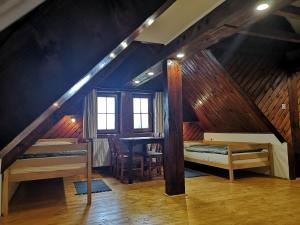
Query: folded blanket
x,y
53,154
216,149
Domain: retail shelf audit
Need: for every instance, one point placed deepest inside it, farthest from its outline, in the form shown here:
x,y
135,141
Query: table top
x,y
142,139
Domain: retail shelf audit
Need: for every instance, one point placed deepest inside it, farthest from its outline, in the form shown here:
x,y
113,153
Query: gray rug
x,y
189,173
97,186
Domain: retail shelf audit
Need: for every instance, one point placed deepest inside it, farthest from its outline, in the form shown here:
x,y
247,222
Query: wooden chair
x,y
113,155
122,160
154,158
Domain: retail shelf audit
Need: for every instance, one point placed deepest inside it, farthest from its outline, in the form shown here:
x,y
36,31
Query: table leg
x,y
130,161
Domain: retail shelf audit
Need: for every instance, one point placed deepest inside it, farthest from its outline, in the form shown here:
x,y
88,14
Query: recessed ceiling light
x,y
112,55
124,44
150,22
180,55
150,73
55,104
262,6
73,120
137,81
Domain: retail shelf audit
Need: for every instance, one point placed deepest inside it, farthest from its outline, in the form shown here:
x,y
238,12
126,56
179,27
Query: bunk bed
x,y
229,155
49,158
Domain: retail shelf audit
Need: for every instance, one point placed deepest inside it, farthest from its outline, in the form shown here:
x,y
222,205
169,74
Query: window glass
x,y
144,105
140,113
106,119
136,105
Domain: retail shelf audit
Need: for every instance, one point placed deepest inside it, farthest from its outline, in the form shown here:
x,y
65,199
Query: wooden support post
x,y
173,133
294,146
5,198
89,172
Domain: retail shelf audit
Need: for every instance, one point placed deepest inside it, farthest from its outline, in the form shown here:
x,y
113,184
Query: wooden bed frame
x,y
265,156
49,167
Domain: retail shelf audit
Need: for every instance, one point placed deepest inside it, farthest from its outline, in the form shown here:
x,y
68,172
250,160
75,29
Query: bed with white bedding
x,y
229,155
49,158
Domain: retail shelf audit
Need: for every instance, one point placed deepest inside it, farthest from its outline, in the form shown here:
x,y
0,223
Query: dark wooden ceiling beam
x,y
290,11
224,21
272,34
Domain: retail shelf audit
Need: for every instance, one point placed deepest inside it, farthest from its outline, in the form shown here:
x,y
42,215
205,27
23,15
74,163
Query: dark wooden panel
x,y
173,147
265,82
216,102
192,131
65,128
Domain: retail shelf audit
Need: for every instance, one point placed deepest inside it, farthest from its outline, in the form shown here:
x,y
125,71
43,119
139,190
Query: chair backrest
x,y
156,147
111,144
117,145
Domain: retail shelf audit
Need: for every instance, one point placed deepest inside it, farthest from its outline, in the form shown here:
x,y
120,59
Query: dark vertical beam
x,y
173,133
294,147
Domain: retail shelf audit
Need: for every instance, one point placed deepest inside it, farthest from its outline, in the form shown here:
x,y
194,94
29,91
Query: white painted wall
x,y
280,150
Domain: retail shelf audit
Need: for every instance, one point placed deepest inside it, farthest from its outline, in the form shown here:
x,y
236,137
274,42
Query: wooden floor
x,y
209,200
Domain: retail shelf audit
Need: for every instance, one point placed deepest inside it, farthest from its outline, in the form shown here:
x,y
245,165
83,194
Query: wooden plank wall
x,y
192,131
65,128
265,82
216,103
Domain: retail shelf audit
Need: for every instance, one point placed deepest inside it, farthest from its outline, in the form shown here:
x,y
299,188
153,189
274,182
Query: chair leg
x,y
122,171
142,167
149,167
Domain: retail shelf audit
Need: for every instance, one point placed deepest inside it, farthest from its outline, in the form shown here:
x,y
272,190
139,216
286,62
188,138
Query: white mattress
x,y
218,158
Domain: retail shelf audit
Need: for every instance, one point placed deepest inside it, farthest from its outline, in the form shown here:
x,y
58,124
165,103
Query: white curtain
x,y
101,155
158,113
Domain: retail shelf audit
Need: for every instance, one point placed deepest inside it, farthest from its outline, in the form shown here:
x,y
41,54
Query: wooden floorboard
x,y
208,200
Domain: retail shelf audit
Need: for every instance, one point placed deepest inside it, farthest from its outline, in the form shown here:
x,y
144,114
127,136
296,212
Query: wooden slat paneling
x,y
66,128
265,82
192,131
219,107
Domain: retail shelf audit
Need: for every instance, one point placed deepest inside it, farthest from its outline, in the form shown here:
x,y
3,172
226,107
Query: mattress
x,y
52,142
218,158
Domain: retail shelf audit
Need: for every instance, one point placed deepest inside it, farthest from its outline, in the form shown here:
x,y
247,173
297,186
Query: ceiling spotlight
x,y
150,22
73,120
170,62
137,81
150,73
112,55
180,55
55,104
124,44
262,6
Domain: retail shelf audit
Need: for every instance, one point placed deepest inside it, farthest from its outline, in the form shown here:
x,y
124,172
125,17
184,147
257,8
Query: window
x,y
106,113
141,113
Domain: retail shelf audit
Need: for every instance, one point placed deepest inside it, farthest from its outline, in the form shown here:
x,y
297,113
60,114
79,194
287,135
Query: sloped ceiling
x,y
12,10
295,23
176,19
53,47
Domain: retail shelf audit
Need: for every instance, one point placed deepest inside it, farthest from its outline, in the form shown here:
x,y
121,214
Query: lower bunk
x,y
49,158
230,156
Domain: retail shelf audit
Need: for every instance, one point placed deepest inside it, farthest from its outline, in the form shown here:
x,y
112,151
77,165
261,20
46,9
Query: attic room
x,y
149,112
